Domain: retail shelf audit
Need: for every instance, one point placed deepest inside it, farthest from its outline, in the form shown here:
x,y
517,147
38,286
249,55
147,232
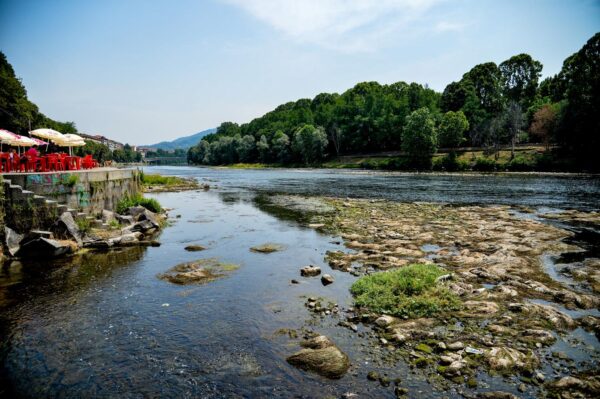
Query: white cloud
x,y
445,26
346,25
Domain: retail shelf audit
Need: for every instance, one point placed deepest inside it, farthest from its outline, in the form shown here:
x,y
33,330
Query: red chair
x,y
88,162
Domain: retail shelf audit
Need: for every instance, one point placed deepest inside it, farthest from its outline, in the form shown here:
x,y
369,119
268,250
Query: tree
x,y
309,143
487,83
452,128
263,149
513,117
544,124
281,147
246,148
419,140
520,76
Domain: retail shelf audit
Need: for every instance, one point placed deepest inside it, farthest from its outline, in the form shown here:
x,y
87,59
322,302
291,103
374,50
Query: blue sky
x,y
142,71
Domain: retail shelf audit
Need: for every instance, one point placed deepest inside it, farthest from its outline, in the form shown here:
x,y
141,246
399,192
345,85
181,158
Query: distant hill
x,y
182,142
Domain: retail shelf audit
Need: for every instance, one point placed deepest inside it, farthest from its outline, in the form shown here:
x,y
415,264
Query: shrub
x,y
83,224
520,163
159,180
410,291
72,180
450,163
484,164
149,203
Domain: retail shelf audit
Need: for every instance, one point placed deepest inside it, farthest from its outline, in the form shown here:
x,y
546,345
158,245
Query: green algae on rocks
x,y
200,271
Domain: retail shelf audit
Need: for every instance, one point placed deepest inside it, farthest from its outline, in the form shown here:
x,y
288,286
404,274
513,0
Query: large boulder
x,y
12,240
108,216
321,356
46,248
136,211
150,216
310,271
66,228
125,220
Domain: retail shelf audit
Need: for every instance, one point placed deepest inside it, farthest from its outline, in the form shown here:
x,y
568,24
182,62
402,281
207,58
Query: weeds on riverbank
x,y
134,200
411,291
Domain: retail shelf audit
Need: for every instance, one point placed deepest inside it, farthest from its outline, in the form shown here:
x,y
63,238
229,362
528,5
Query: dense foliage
x,y
491,106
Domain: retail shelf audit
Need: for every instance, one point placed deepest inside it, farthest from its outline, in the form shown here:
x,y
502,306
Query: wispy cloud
x,y
346,25
445,26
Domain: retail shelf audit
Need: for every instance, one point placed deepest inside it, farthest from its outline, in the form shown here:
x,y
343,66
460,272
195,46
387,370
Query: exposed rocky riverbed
x,y
512,312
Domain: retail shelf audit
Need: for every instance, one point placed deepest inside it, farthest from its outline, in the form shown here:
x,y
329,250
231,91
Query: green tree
x,y
246,148
281,147
520,76
263,149
487,83
452,129
419,137
309,143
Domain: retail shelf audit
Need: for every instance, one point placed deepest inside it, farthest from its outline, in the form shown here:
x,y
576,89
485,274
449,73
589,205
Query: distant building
x,y
143,150
111,144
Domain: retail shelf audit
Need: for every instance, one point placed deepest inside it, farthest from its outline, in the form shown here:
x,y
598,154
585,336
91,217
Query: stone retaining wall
x,y
88,191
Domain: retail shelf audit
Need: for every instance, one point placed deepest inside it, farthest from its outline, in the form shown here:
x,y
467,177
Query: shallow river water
x,y
103,325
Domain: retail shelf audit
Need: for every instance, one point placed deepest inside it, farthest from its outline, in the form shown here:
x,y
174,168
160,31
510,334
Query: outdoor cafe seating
x,y
49,162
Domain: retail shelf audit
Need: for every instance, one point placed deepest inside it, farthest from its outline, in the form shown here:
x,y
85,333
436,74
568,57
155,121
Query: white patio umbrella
x,y
70,142
6,137
22,141
48,134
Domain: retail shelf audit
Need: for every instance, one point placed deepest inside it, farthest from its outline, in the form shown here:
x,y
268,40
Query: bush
x,y
522,164
410,291
159,180
149,203
484,165
450,163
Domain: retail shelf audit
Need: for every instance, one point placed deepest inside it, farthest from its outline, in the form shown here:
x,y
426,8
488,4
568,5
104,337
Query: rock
x,y
473,351
45,248
373,376
294,281
321,356
66,228
424,348
149,216
399,391
267,248
310,271
441,346
125,220
454,369
327,279
456,346
522,387
446,360
496,395
385,321
505,358
194,248
144,226
135,212
537,335
12,240
197,272
445,277
108,216
540,377
480,308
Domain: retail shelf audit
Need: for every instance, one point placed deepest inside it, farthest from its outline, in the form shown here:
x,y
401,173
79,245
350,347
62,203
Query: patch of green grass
x,y
250,166
159,180
410,291
149,203
84,225
114,224
72,180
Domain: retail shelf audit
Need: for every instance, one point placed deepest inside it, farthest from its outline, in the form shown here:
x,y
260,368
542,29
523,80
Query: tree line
x,y
491,106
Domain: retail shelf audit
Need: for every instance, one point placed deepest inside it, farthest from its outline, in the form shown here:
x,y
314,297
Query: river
x,y
103,325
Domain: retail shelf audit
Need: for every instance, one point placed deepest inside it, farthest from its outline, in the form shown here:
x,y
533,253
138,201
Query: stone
x,y
400,392
12,240
321,356
504,358
267,248
385,321
135,211
194,248
481,308
496,395
456,346
372,376
149,216
327,279
294,281
45,248
66,228
197,272
107,216
125,220
310,271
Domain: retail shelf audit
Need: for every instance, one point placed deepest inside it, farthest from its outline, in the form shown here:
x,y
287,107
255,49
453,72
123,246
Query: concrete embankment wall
x,y
35,200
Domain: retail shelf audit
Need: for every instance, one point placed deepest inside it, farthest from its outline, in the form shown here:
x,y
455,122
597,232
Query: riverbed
x,y
102,325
